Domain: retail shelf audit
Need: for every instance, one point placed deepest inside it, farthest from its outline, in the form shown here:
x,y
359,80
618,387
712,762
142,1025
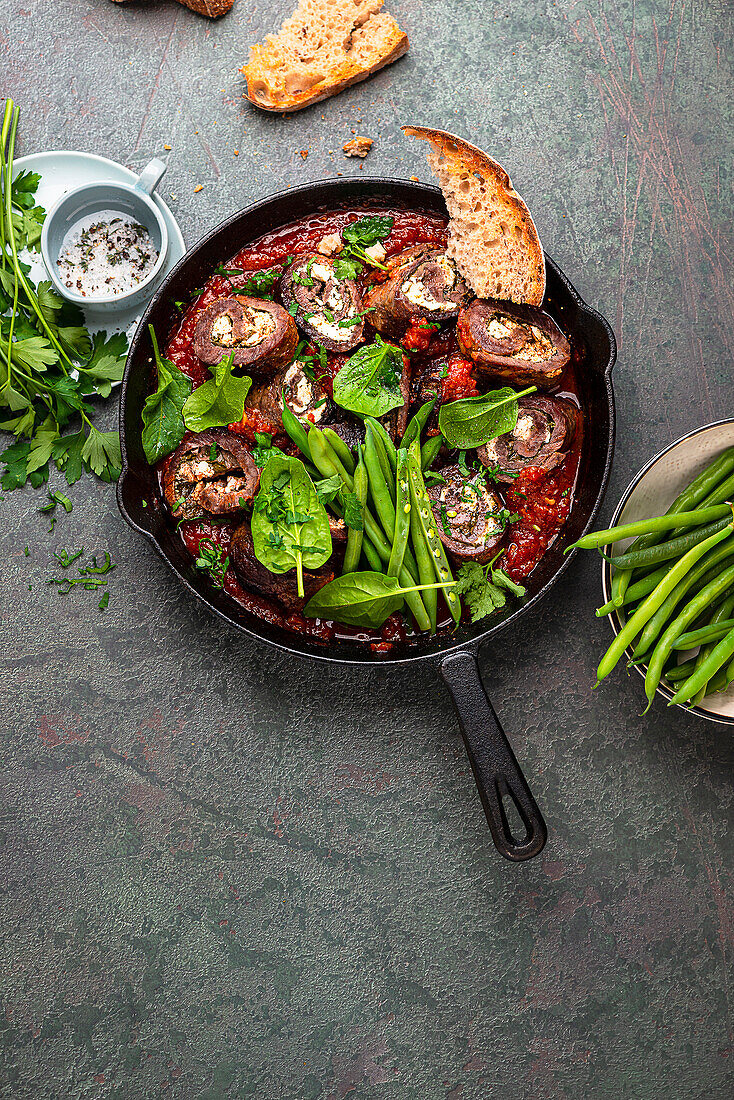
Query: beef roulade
x,y
470,517
423,283
520,343
303,396
282,587
327,309
211,473
542,436
261,335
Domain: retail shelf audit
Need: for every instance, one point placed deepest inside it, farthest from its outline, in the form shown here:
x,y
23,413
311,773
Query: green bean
x,y
649,606
402,519
423,558
390,449
341,449
319,446
721,493
596,539
693,494
720,680
710,563
295,430
423,508
417,423
672,549
387,470
721,654
680,672
373,558
711,633
430,449
690,613
326,462
637,590
720,615
383,502
355,538
620,582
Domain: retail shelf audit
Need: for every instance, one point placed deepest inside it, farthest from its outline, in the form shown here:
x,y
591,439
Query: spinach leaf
x,y
473,421
369,382
163,424
360,599
290,527
219,401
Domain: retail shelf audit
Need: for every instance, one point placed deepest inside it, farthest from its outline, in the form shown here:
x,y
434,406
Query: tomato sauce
x,y
542,500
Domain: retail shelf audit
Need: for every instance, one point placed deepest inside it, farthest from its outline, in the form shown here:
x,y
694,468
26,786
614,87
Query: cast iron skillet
x,y
495,768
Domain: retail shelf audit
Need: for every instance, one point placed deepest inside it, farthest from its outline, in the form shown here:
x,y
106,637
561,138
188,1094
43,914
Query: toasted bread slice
x,y
492,238
325,46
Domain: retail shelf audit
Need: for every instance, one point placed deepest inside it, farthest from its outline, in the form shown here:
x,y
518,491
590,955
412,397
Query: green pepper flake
x,y
104,601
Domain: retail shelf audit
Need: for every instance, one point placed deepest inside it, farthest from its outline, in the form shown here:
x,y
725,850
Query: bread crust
x,y
475,160
339,76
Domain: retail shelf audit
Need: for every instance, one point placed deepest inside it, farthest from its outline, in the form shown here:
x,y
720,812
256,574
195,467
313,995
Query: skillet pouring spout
x,y
496,771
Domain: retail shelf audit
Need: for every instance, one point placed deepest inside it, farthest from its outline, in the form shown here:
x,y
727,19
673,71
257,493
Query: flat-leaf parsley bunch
x,y
49,363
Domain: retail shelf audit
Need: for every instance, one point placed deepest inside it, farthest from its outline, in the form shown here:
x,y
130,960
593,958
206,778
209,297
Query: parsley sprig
x,y
485,587
49,362
358,236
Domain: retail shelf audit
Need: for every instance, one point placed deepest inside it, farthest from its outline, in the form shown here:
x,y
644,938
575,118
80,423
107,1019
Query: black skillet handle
x,y
493,762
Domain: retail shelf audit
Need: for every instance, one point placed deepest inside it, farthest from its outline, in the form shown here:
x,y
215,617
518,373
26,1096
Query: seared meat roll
x,y
542,436
351,431
397,421
304,398
262,335
520,343
327,309
423,282
211,473
282,587
470,517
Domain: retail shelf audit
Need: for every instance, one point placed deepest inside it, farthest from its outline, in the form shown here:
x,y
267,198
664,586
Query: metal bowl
x,y
650,493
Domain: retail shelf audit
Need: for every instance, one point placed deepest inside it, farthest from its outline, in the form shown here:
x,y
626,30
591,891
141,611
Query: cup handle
x,y
151,176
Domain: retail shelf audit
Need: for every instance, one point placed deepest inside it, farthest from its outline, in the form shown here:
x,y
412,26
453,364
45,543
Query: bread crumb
x,y
168,148
199,187
304,153
236,152
414,179
358,146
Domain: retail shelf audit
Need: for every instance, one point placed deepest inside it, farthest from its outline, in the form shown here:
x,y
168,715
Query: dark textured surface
x,y
226,874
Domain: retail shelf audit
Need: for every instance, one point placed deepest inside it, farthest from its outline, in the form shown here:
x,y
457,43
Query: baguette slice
x,y
492,238
325,46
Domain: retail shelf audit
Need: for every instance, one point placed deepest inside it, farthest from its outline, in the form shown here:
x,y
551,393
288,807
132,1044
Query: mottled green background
x,y
230,874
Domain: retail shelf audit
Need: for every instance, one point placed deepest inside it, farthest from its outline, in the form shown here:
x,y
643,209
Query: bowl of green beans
x,y
668,574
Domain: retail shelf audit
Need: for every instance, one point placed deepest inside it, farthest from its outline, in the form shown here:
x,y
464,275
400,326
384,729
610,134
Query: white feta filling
x,y
321,272
259,324
375,253
222,331
300,395
538,347
330,244
417,293
500,329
